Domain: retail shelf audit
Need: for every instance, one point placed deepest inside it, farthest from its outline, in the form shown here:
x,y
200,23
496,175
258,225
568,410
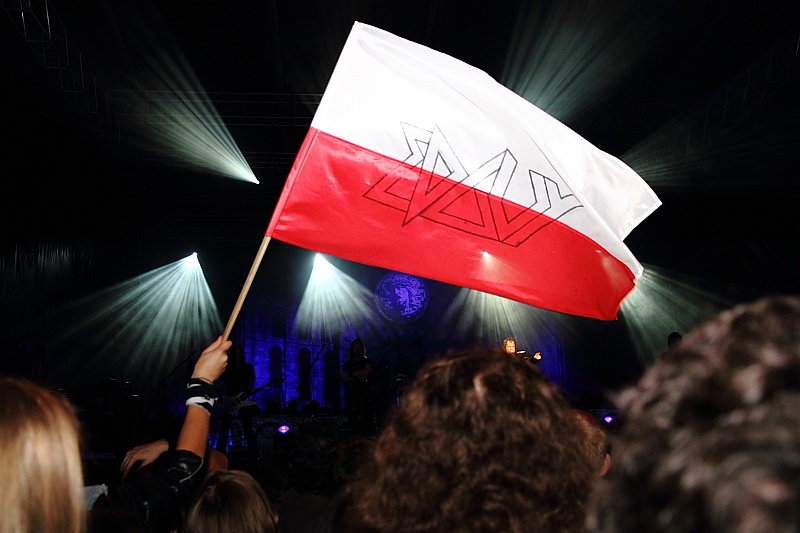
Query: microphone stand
x,y
310,366
162,383
164,380
532,359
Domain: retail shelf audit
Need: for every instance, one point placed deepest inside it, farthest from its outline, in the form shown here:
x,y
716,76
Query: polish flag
x,y
419,163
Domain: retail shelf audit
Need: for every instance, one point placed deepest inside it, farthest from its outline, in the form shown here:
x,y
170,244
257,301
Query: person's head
x,y
312,457
509,346
271,472
480,443
595,442
357,349
710,436
352,453
41,471
231,501
673,338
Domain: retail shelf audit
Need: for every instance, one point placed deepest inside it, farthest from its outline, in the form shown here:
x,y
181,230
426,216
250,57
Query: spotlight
x,y
283,429
333,301
323,270
608,419
191,261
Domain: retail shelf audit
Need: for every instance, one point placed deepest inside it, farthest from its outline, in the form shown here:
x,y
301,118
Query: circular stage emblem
x,y
401,298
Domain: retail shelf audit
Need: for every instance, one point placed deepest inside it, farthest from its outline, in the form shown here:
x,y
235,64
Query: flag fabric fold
x,y
420,163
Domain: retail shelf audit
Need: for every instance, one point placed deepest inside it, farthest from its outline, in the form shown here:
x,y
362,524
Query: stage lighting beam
x,y
140,328
169,113
334,301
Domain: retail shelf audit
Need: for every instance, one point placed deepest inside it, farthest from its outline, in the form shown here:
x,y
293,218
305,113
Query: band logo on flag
x,y
419,163
460,203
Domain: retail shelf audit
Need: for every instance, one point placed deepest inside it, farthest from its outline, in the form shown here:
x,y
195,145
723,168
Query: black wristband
x,y
201,394
198,387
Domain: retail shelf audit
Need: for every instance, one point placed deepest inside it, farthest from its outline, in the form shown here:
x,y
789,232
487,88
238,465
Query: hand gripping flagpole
x,y
246,287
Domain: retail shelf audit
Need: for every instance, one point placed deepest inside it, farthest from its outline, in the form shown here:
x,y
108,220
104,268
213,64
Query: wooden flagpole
x,y
246,287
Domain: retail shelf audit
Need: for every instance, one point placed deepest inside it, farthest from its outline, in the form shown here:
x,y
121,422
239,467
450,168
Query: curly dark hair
x,y
482,442
709,438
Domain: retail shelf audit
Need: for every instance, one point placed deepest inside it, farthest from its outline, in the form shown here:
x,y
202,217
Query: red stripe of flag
x,y
352,203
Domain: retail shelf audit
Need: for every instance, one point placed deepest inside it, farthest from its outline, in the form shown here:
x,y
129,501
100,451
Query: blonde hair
x,y
41,471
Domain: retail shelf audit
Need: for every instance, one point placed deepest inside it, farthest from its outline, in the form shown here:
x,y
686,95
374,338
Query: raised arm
x,y
200,397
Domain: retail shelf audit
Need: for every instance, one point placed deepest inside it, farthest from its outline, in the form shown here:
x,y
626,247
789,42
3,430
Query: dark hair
x,y
595,440
115,520
231,501
674,337
351,455
482,442
354,343
709,438
312,458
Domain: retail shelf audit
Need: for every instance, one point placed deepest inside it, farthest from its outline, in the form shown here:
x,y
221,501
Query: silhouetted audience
x,y
41,470
310,484
351,455
481,443
709,438
159,492
271,472
116,520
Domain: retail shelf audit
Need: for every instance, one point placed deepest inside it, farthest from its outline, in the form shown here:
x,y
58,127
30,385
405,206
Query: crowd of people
x,y
708,439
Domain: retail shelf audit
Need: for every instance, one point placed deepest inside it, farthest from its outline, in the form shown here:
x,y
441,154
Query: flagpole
x,y
246,287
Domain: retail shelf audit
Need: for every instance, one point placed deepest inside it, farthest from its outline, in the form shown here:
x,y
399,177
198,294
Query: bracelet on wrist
x,y
201,393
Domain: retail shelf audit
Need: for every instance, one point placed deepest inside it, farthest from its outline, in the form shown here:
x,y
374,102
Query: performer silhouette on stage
x,y
238,381
355,375
510,347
